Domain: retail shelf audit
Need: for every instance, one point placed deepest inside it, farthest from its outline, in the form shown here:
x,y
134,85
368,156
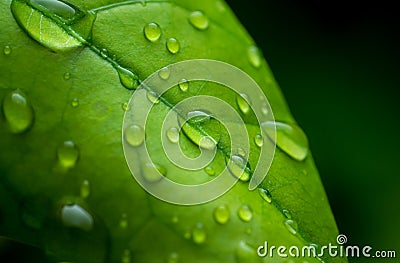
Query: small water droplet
x,y
104,53
68,154
222,214
18,111
183,85
67,75
290,138
245,253
241,152
259,140
265,194
123,222
164,73
287,213
134,135
254,56
126,256
264,109
175,219
75,102
127,78
237,166
153,97
125,106
153,172
76,216
198,20
245,213
173,135
173,45
85,189
7,50
291,226
173,258
199,234
209,170
243,102
152,32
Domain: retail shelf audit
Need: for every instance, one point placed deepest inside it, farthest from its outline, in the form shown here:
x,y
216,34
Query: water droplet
x,y
237,166
183,85
123,222
265,194
134,135
153,97
291,226
18,111
289,138
153,172
85,189
254,56
245,213
164,73
243,102
245,253
264,109
259,140
173,135
152,32
175,219
76,216
67,75
220,6
198,20
125,106
127,78
7,50
248,230
198,116
75,102
199,235
57,7
173,258
209,170
173,45
126,256
68,154
287,213
222,214
104,53
241,152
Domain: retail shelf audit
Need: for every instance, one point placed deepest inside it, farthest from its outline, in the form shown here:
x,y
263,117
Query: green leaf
x,y
64,184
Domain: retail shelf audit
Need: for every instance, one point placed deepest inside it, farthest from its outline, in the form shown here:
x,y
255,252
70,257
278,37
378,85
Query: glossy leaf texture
x,y
67,71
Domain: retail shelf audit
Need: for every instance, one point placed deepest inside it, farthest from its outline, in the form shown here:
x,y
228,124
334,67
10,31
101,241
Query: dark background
x,y
338,65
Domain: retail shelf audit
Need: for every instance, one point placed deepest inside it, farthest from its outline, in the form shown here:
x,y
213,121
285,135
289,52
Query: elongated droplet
x,y
85,189
222,214
7,50
164,73
18,111
259,141
134,135
152,32
173,258
198,20
199,234
184,85
123,222
287,213
127,78
246,254
153,97
173,135
291,226
104,53
245,213
254,55
54,6
75,102
126,256
265,194
290,138
209,170
153,173
243,102
173,45
237,166
68,154
125,106
77,217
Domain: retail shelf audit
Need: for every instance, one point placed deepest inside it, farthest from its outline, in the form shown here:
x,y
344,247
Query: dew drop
x,y
175,219
7,50
291,226
57,7
290,138
222,214
173,45
153,173
18,111
68,154
245,253
75,102
164,73
67,75
209,170
125,106
85,189
243,101
264,109
237,167
254,56
183,85
77,217
198,20
245,213
127,78
153,97
265,194
241,152
173,135
152,32
287,213
104,53
259,140
199,235
173,258
134,135
123,222
126,256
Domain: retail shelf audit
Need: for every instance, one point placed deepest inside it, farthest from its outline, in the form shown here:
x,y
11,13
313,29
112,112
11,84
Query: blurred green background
x,y
338,65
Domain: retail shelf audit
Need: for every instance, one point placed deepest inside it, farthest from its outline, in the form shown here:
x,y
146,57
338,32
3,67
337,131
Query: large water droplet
x,y
290,138
173,258
259,141
291,225
134,135
254,55
199,234
243,102
54,6
222,214
265,194
68,154
76,216
164,73
152,32
237,166
153,97
245,213
245,253
173,45
126,256
183,85
153,172
18,111
173,135
7,50
127,78
198,20
85,189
